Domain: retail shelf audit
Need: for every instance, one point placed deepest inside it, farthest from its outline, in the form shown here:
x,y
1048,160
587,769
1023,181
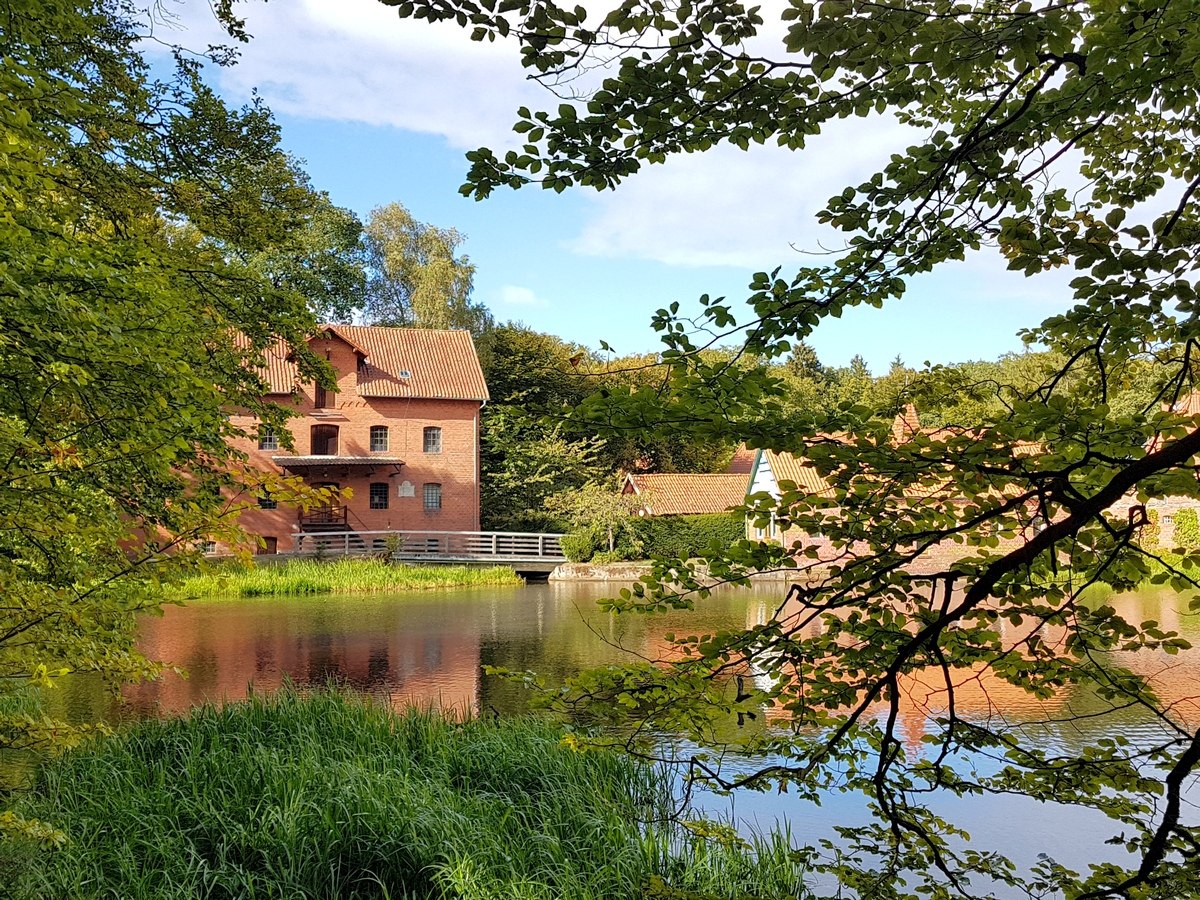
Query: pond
x,y
431,648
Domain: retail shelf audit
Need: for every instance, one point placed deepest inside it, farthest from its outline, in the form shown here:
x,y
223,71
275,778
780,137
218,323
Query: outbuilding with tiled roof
x,y
686,494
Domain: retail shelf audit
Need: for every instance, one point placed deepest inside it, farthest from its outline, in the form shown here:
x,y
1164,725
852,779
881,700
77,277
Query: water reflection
x,y
430,650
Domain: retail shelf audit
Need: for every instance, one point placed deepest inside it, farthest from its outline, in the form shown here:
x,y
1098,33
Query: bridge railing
x,y
435,546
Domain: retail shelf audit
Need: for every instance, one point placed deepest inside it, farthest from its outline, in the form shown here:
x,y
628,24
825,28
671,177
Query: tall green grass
x,y
344,576
334,796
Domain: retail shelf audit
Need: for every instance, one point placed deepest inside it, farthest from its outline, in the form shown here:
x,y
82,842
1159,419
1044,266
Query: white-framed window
x,y
379,438
432,496
379,495
267,439
433,439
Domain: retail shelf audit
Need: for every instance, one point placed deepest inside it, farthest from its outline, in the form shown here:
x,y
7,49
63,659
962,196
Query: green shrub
x,y
1187,529
578,546
1151,533
332,795
612,556
687,536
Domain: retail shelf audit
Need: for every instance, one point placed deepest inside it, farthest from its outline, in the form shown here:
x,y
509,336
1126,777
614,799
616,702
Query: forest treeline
x,y
535,447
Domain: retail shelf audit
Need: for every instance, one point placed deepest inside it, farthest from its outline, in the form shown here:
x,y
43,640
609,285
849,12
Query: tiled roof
x,y
906,425
400,362
689,494
442,365
742,462
787,467
280,373
1188,406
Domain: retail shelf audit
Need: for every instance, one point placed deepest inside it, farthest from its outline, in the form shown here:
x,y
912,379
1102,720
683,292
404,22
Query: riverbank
x,y
331,795
297,577
635,569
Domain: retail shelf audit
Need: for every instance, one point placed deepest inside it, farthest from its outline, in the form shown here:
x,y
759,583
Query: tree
x,y
416,278
1060,135
527,454
606,511
322,260
136,313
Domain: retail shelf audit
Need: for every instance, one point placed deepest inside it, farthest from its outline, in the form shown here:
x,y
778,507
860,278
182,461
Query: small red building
x,y
401,432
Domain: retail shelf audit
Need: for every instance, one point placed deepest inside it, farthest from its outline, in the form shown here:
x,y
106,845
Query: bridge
x,y
526,552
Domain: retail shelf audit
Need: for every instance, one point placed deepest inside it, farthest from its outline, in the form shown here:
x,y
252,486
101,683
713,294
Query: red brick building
x,y
399,438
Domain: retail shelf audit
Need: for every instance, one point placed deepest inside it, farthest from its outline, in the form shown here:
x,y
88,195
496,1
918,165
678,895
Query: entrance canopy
x,y
335,466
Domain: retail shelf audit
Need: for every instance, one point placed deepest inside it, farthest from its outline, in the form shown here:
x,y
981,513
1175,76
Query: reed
x,y
297,577
335,796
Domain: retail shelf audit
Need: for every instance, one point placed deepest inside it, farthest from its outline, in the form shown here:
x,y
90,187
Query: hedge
x,y
686,536
1187,529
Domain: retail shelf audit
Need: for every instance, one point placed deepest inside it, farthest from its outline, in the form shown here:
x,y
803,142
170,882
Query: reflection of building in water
x,y
225,659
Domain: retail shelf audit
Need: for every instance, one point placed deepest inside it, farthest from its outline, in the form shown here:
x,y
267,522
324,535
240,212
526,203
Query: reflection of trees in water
x,y
430,650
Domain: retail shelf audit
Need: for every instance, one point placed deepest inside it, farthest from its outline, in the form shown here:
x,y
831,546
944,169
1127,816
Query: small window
x,y
267,439
266,502
323,399
269,547
433,439
379,495
433,496
207,547
379,438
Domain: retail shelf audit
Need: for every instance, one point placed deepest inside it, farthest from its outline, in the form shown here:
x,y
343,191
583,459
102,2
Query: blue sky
x,y
383,110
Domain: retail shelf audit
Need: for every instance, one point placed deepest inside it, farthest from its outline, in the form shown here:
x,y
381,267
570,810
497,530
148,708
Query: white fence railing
x,y
465,546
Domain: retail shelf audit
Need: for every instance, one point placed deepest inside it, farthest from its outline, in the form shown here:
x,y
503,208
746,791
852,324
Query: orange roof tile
x,y
1188,406
787,467
441,365
689,494
400,362
280,372
742,462
906,424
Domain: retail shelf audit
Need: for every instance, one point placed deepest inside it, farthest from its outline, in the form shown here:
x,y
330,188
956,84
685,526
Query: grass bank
x,y
333,796
343,576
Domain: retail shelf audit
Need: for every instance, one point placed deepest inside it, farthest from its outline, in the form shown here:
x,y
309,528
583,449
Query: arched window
x,y
433,439
379,438
324,440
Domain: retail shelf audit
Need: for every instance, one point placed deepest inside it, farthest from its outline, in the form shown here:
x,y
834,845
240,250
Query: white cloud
x,y
515,295
357,61
726,207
